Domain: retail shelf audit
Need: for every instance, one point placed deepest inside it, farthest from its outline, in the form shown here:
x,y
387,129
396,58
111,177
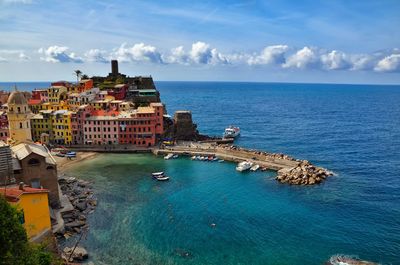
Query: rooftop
x,y
24,149
12,193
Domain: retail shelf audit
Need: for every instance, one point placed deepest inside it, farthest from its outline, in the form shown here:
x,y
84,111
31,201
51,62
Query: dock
x,y
264,159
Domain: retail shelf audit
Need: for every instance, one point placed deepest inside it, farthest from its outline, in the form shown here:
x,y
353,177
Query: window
x,y
35,183
20,125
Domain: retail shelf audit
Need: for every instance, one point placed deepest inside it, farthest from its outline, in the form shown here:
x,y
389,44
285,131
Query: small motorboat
x,y
159,176
193,158
243,166
221,160
201,158
175,156
162,178
71,154
210,158
215,159
255,167
169,156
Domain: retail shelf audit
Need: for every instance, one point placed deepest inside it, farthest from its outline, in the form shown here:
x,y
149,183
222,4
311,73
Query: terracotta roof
x,y
13,193
34,101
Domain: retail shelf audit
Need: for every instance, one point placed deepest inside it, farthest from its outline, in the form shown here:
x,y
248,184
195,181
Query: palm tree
x,y
78,74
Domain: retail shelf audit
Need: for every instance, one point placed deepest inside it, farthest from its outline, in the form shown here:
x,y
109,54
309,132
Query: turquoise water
x,y
353,130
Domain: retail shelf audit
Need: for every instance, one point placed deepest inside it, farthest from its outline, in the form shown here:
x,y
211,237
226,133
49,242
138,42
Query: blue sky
x,y
278,41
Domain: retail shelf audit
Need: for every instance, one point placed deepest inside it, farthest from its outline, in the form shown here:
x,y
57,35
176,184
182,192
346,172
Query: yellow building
x,y
62,129
42,124
62,105
34,205
18,115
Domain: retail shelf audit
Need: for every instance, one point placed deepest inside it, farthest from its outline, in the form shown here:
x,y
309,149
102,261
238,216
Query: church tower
x,y
18,115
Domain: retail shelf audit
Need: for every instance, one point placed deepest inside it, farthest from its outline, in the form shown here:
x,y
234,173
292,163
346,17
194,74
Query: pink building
x,y
101,127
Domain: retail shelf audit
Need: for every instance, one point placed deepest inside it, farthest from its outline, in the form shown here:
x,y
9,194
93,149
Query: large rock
x,y
78,254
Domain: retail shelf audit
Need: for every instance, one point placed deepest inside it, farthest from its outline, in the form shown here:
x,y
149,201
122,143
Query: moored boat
x,y
159,176
193,157
169,156
255,167
243,166
175,156
231,132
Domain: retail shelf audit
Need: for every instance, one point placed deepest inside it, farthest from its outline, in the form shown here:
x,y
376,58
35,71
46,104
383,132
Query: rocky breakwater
x,y
303,174
81,196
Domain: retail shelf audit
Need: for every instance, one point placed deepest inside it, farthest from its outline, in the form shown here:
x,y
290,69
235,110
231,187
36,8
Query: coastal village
x,y
115,113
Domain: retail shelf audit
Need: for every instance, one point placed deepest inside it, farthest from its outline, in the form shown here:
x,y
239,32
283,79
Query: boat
x,y
71,154
193,158
215,159
201,158
159,176
231,132
169,156
210,158
221,160
243,166
162,178
255,167
175,156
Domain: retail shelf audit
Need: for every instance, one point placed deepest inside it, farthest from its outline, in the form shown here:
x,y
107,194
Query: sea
x,y
210,214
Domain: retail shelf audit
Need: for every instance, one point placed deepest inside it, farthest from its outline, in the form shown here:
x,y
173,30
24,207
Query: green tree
x,y
14,246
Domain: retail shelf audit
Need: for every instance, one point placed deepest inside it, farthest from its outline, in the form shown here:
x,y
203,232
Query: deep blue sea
x,y
353,130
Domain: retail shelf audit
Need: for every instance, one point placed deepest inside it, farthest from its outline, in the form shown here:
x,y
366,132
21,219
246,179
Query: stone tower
x,y
18,115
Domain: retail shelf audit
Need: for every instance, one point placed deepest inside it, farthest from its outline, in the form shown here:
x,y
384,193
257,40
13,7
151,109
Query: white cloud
x,y
137,53
23,57
200,53
178,55
58,54
3,60
335,60
270,55
304,58
96,55
363,62
390,63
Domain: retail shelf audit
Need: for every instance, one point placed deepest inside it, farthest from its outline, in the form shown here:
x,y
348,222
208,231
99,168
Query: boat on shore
x,y
231,132
243,166
255,167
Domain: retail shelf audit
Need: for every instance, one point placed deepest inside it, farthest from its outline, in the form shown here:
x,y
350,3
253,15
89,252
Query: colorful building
x,y
19,115
34,165
42,124
101,127
62,129
138,127
35,209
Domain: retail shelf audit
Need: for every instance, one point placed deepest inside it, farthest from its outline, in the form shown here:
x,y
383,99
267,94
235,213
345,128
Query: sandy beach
x,y
64,163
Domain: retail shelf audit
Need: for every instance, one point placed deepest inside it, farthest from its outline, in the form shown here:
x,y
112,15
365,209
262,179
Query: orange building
x,y
35,209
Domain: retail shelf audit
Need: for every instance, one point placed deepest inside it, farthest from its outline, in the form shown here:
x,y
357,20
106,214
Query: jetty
x,y
290,170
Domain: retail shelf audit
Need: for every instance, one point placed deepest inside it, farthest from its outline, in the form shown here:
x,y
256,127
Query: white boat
x,y
243,166
169,156
215,159
231,132
162,178
193,158
159,176
221,160
175,156
255,167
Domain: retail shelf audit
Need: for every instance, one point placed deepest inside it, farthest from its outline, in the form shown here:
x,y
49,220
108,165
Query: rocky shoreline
x,y
81,196
304,174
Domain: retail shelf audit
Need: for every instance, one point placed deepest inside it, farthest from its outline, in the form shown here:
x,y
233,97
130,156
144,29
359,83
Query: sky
x,y
331,41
